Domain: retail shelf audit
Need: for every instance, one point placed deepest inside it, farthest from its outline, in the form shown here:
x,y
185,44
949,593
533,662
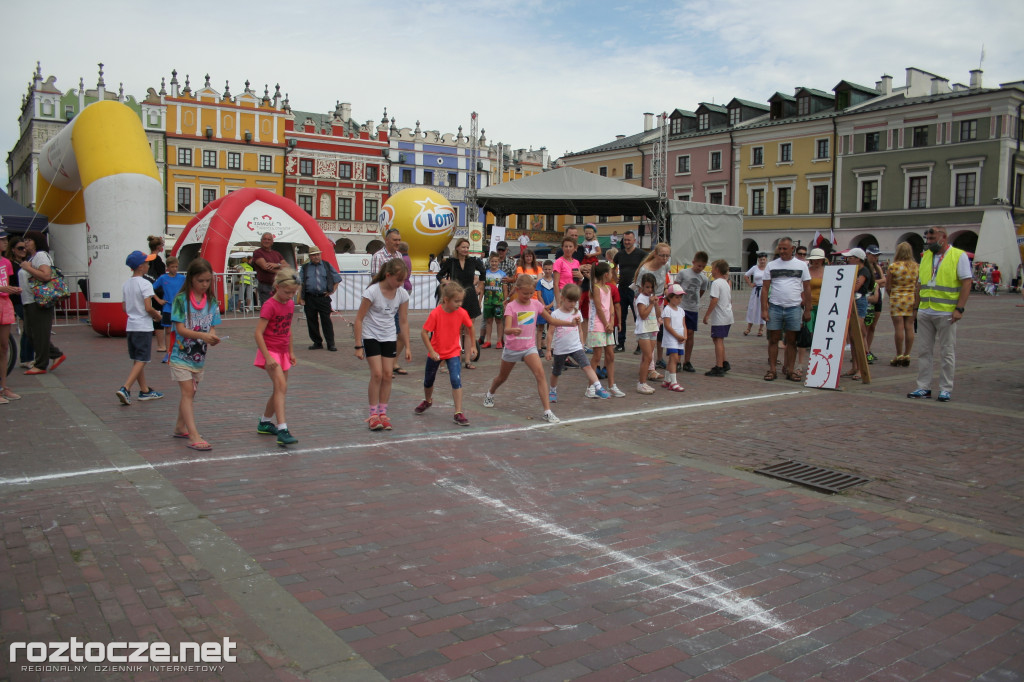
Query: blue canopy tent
x,y
16,218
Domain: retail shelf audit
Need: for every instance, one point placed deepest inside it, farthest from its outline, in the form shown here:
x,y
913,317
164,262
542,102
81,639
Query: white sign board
x,y
830,326
497,235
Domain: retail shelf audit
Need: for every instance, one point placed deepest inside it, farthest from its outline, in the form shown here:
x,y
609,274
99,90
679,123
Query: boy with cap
x,y
138,293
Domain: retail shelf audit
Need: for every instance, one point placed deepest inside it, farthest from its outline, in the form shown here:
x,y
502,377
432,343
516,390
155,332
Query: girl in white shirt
x,y
674,338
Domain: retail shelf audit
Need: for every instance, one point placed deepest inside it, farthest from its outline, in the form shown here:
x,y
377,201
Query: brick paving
x,y
636,546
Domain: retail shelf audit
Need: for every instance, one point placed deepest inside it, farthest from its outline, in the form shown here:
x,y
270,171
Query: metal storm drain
x,y
812,476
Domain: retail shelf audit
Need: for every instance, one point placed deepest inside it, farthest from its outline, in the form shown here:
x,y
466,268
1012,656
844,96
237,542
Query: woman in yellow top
x,y
902,281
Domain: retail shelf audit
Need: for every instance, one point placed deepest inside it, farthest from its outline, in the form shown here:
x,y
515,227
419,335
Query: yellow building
x,y
217,143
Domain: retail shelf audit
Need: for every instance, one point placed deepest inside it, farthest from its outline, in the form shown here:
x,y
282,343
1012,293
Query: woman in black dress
x,y
469,272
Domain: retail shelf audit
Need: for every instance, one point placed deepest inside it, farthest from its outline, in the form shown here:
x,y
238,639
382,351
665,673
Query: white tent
x,y
713,228
997,241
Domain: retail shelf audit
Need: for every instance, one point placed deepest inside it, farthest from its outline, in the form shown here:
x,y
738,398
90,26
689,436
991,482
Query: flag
x,y
832,235
816,242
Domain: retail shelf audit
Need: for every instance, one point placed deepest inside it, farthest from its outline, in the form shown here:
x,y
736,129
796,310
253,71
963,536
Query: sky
x,y
562,74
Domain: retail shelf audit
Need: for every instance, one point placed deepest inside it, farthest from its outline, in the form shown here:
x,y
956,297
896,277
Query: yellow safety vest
x,y
943,294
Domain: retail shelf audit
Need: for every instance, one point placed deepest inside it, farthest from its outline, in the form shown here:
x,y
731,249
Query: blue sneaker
x,y
944,397
920,393
601,372
150,395
588,350
285,438
552,395
124,396
603,394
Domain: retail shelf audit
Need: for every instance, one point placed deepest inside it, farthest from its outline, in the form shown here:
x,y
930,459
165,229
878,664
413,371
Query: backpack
x,y
46,294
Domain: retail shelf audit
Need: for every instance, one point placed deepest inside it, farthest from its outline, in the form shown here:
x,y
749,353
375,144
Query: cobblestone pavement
x,y
631,541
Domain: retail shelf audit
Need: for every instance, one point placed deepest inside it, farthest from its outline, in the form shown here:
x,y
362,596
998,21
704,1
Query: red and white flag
x,y
832,235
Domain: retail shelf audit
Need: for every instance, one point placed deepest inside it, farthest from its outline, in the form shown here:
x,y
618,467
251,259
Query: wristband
x,y
358,347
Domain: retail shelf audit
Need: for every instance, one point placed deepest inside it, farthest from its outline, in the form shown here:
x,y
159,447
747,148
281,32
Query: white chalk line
x,y
391,442
683,583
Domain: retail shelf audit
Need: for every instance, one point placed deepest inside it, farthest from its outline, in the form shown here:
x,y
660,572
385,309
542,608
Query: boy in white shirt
x,y
720,315
138,293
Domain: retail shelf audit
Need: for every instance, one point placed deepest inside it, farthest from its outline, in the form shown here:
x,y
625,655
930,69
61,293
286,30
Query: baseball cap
x,y
873,250
816,254
137,258
501,245
674,290
856,253
4,233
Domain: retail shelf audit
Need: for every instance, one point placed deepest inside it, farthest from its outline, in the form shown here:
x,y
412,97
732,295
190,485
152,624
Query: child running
x,y
384,297
166,287
674,338
137,293
521,315
646,315
195,313
602,324
546,291
274,352
440,335
720,314
566,343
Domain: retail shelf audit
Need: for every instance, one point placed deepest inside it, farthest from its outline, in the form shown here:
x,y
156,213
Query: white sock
x,y
266,420
596,384
282,426
489,394
671,378
548,412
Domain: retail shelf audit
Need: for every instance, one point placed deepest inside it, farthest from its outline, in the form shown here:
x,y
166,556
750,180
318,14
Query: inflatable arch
x,y
242,217
100,187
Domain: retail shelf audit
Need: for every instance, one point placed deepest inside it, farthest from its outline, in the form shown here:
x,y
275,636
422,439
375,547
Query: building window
x,y
602,218
786,152
266,163
921,136
453,179
820,201
370,210
803,106
184,156
305,202
344,208
371,173
579,220
969,130
757,202
785,205
628,171
869,195
918,196
428,178
306,168
871,142
209,158
703,121
603,171
821,148
209,196
676,126
184,199
966,184
549,223
234,161
407,176
715,161
757,156
715,198
345,171
683,197
683,164
734,116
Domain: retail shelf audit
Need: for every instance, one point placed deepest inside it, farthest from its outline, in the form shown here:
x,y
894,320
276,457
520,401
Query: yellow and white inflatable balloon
x,y
424,218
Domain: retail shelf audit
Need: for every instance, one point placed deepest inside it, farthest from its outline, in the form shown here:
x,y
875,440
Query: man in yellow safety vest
x,y
942,289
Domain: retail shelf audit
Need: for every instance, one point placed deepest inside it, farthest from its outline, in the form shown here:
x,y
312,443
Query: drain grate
x,y
812,476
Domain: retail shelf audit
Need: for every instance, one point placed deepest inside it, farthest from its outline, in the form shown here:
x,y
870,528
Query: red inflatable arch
x,y
242,217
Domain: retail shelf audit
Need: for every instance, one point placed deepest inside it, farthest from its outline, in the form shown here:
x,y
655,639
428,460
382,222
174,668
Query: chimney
x,y
885,85
648,121
619,137
940,86
346,111
976,79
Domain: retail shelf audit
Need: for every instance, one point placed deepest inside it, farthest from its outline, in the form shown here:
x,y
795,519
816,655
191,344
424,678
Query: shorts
x,y
720,331
165,320
862,307
179,374
494,310
784,319
454,371
558,365
140,346
601,339
386,349
517,355
281,358
690,317
6,310
647,336
675,351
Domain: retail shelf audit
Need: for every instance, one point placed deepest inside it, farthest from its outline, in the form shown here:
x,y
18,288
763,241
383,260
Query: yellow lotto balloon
x,y
424,218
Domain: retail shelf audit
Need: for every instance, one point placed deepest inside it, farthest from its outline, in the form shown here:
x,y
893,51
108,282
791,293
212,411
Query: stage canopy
x,y
17,218
568,191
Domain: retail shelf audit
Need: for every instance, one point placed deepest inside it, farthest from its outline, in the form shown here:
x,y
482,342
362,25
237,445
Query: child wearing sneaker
x,y
494,300
137,293
674,338
719,314
546,290
275,354
521,315
440,335
195,313
378,341
647,313
565,342
602,324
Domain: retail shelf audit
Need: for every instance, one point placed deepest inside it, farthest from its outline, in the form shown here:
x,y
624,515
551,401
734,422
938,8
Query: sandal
x,y
675,387
853,375
906,361
468,365
896,361
179,435
760,333
794,376
770,374
201,445
654,376
398,370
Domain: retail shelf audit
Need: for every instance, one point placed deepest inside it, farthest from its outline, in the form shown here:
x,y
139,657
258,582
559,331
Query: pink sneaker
x,y
460,419
422,407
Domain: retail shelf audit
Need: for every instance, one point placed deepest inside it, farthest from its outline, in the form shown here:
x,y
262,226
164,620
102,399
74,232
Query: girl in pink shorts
x,y
275,353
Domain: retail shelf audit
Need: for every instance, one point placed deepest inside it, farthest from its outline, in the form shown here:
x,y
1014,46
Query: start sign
x,y
830,326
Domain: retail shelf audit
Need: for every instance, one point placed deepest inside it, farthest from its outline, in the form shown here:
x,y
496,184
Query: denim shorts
x,y
140,346
862,307
784,319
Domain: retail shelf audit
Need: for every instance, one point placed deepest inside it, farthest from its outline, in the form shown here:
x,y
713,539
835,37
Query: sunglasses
x,y
801,253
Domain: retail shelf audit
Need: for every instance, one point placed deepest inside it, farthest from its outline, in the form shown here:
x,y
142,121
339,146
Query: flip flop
x,y
202,446
179,435
399,370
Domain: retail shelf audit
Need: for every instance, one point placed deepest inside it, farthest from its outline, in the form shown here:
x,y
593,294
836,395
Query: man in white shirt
x,y
785,305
